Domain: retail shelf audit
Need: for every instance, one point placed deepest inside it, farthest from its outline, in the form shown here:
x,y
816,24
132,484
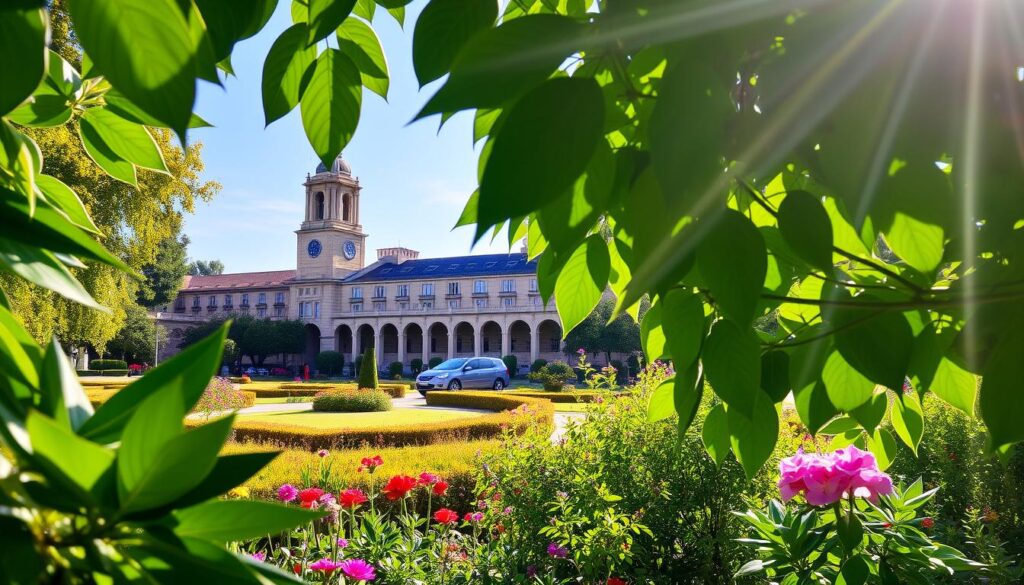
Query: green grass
x,y
571,406
354,420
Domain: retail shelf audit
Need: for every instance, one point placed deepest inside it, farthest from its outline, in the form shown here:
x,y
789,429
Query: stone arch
x,y
491,339
343,340
318,205
549,339
346,207
437,338
388,351
520,340
364,338
413,341
312,346
465,338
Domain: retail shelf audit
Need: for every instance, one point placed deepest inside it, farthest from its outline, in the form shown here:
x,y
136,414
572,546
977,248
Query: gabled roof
x,y
453,267
273,278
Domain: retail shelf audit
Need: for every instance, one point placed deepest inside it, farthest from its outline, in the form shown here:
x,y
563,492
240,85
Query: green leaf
x,y
753,437
104,156
855,571
497,65
23,35
398,14
552,131
581,282
194,366
442,29
883,446
547,275
732,364
234,520
325,16
652,333
662,402
19,353
806,228
286,72
931,371
907,418
181,465
21,161
330,105
229,22
156,421
688,391
846,387
918,200
878,346
122,106
732,259
567,219
229,471
809,394
871,413
128,140
66,200
682,318
51,101
850,531
715,434
42,268
61,395
775,374
146,50
840,425
357,40
80,460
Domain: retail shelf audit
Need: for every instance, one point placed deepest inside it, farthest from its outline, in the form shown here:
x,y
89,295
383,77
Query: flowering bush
x,y
220,396
553,376
603,379
855,527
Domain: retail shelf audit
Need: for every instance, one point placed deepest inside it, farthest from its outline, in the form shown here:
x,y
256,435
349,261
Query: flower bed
x,y
517,412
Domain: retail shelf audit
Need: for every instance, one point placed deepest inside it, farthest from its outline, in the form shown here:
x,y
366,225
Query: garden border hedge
x,y
86,373
486,426
311,389
565,397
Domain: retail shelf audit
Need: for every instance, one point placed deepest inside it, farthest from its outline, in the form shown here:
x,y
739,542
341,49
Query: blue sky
x,y
415,180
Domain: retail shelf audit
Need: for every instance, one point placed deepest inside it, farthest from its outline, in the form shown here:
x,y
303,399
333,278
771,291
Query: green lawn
x,y
572,406
352,420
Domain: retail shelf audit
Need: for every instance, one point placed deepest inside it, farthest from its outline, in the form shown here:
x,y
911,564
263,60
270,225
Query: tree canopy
x,y
204,268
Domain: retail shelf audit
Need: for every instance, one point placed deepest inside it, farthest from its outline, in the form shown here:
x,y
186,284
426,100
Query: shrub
x,y
330,362
554,376
240,379
512,363
395,370
416,365
221,395
565,397
368,370
101,365
86,373
282,390
248,398
434,362
537,365
352,401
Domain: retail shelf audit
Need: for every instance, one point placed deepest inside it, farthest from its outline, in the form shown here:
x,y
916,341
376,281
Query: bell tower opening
x,y
330,240
319,203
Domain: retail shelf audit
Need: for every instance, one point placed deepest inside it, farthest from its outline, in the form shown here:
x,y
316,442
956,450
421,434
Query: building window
x,y
480,303
403,290
261,311
227,300
533,285
245,299
427,305
357,292
316,309
508,286
454,289
213,301
536,302
480,287
278,311
427,289
378,292
279,298
261,299
455,304
508,301
357,308
195,301
380,305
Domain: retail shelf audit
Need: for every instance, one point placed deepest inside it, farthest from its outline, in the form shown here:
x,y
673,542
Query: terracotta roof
x,y
239,280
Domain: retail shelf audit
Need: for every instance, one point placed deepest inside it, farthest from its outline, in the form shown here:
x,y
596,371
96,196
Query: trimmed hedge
x,y
84,373
514,411
240,380
566,397
100,365
395,390
250,398
368,370
97,396
352,401
105,383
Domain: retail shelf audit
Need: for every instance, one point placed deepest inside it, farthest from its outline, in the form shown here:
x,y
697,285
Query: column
x,y
426,345
451,343
534,343
478,340
506,341
378,350
355,353
401,346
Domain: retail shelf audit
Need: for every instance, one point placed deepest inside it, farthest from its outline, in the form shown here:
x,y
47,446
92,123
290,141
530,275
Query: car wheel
x,y
455,385
499,384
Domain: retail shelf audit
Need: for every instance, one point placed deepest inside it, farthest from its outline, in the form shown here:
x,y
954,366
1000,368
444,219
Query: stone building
x,y
406,306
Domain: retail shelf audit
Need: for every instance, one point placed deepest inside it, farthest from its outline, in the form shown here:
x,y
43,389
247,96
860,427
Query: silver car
x,y
459,373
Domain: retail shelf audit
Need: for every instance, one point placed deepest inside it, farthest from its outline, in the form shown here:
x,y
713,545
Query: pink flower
x,y
558,552
322,453
358,569
824,479
324,566
259,556
473,516
427,478
370,463
342,543
287,492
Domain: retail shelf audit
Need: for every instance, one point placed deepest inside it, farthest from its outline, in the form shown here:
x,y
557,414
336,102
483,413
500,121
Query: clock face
x,y
349,249
314,248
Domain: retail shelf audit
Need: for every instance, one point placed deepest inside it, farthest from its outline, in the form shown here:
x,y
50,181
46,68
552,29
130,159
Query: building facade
x,y
405,306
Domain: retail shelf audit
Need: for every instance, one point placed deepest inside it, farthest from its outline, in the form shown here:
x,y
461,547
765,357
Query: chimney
x,y
397,254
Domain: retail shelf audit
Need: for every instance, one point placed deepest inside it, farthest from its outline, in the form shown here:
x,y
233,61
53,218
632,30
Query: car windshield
x,y
451,364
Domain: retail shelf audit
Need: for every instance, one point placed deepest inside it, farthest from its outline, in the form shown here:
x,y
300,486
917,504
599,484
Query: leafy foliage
x,y
330,362
368,370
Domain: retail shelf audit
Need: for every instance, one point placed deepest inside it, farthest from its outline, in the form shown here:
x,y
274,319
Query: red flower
x,y
370,463
499,528
309,496
297,568
398,487
446,516
615,581
351,498
927,523
440,488
496,496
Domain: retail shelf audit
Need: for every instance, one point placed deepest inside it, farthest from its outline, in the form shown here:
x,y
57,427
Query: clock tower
x,y
331,242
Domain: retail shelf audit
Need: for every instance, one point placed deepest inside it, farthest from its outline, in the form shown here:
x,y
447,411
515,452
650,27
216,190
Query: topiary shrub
x,y
434,362
330,363
368,370
352,401
395,370
554,376
512,363
416,365
101,365
537,365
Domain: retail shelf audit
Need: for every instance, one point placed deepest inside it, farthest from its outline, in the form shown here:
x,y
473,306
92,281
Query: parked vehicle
x,y
459,373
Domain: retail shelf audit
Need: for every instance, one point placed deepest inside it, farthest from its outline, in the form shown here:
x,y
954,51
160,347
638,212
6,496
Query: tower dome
x,y
338,167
